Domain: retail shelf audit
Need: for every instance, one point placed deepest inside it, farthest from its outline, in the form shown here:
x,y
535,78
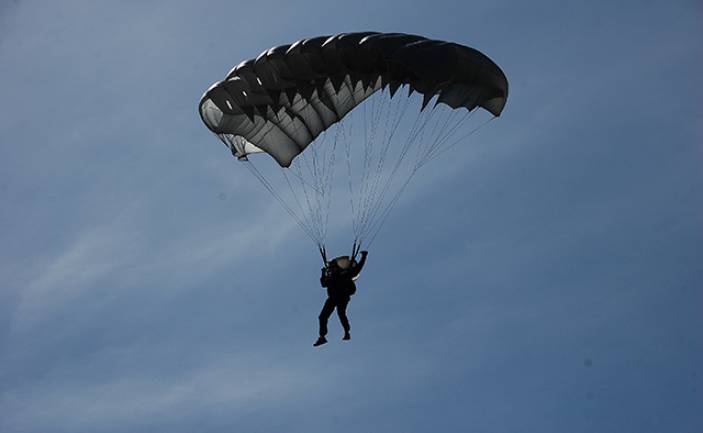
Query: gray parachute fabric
x,y
281,101
284,102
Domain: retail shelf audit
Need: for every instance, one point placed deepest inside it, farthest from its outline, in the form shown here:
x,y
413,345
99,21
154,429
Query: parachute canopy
x,y
282,100
331,98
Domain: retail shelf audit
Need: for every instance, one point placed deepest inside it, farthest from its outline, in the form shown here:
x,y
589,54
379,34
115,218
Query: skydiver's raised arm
x,y
356,269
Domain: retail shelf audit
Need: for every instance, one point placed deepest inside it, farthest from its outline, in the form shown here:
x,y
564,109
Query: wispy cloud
x,y
120,251
230,382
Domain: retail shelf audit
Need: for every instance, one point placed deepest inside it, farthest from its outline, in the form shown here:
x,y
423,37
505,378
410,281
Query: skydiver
x,y
340,287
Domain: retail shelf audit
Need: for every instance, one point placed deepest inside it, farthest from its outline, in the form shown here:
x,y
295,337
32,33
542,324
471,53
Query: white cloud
x,y
231,382
94,254
119,250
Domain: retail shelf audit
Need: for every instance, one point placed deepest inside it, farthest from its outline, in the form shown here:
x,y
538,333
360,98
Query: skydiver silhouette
x,y
340,287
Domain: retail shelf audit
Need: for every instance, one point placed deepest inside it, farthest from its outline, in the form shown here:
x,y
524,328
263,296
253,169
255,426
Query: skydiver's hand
x,y
364,253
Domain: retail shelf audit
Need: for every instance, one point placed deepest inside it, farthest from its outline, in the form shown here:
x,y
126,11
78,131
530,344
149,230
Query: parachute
x,y
300,103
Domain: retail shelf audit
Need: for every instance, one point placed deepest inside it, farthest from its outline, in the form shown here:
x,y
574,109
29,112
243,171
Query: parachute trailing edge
x,y
281,101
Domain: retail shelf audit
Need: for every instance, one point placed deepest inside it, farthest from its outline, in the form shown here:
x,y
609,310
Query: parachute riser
x,y
355,250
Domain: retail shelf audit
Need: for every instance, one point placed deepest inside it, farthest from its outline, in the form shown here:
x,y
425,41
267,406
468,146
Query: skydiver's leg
x,y
324,315
342,313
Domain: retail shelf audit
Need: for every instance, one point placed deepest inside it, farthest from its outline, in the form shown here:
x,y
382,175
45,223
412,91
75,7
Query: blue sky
x,y
546,278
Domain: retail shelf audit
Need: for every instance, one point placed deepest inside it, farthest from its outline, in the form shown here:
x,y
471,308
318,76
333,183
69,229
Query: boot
x,y
320,341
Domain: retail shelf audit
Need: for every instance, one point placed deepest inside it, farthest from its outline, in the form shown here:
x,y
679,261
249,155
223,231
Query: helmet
x,y
343,262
